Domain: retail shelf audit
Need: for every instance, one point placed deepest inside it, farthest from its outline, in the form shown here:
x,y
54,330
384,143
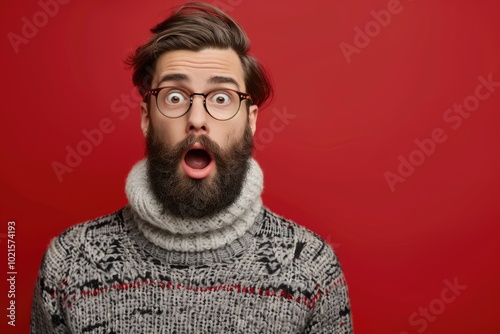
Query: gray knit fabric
x,y
174,233
134,272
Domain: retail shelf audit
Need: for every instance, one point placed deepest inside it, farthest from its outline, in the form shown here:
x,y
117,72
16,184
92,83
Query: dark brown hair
x,y
195,26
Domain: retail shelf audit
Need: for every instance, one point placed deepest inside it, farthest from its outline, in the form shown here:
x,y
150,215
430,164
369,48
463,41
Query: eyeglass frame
x,y
156,91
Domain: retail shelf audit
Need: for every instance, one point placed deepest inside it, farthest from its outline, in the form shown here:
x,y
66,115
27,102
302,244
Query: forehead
x,y
200,66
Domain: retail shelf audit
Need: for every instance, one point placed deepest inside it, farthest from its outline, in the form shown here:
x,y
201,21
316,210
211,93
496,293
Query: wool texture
x,y
140,270
198,234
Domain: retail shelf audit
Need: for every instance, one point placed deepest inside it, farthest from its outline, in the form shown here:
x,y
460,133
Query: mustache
x,y
174,153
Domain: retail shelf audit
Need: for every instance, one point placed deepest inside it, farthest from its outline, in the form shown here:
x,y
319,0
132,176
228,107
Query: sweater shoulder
x,y
276,226
78,242
304,248
102,227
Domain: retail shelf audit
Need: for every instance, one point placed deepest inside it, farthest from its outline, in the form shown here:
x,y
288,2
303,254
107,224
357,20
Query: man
x,y
195,251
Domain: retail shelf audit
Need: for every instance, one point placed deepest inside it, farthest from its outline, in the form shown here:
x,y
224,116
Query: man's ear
x,y
252,117
144,118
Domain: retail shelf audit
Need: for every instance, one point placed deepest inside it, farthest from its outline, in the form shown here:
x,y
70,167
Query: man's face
x,y
196,164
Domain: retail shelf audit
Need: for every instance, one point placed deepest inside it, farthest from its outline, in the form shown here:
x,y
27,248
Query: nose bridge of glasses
x,y
204,99
199,94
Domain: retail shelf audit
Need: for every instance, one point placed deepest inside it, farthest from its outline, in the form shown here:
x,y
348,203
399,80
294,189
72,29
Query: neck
x,y
193,234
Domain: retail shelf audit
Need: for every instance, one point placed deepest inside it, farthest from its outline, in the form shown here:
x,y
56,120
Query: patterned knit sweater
x,y
111,275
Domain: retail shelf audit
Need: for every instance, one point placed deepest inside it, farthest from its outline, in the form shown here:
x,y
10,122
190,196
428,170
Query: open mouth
x,y
197,162
197,158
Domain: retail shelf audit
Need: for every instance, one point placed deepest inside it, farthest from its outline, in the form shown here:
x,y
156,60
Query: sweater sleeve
x,y
331,313
47,315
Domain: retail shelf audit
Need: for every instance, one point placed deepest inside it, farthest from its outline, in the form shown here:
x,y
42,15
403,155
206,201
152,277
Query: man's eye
x,y
221,98
175,98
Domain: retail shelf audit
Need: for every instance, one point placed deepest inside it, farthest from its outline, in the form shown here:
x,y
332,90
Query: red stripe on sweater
x,y
308,302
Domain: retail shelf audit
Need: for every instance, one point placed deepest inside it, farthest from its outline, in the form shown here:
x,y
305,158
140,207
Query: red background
x,y
324,168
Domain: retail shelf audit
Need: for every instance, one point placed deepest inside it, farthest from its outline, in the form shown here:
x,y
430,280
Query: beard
x,y
187,197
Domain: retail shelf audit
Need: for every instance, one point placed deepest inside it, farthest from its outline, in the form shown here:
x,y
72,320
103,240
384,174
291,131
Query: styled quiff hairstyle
x,y
196,26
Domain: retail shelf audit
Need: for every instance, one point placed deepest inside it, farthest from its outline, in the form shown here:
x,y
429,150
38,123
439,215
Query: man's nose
x,y
197,116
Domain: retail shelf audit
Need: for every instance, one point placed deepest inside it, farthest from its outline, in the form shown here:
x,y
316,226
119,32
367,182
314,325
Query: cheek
x,y
232,134
168,130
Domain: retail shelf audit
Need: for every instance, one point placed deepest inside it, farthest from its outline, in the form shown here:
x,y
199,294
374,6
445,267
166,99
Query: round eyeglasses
x,y
174,102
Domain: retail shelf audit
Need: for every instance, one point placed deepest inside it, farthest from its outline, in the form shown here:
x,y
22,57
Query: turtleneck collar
x,y
193,234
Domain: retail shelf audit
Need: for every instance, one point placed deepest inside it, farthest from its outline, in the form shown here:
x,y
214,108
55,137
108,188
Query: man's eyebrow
x,y
213,80
173,77
221,79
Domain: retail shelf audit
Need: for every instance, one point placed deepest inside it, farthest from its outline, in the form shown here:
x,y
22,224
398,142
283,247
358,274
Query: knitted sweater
x,y
116,274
